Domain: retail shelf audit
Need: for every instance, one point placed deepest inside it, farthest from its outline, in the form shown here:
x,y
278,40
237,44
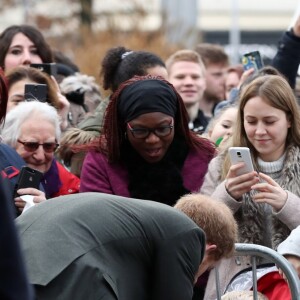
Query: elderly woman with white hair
x,y
33,130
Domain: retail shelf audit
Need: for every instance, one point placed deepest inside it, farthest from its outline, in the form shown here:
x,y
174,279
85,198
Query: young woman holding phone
x,y
268,123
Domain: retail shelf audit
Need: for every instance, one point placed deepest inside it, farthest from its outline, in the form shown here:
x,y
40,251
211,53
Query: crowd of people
x,y
138,198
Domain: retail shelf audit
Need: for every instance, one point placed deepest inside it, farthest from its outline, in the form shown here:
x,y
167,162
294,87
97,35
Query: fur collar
x,y
251,217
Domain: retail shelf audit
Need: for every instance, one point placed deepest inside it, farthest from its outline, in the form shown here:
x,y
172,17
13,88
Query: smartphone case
x,y
28,178
241,154
35,92
252,60
48,68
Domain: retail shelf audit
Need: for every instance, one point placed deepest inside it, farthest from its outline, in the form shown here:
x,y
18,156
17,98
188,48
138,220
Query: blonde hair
x,y
185,55
216,220
212,123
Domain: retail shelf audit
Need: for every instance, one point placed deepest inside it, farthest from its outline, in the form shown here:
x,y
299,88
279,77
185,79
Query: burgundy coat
x,y
100,176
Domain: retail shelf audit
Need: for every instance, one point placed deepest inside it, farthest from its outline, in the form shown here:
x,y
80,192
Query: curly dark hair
x,y
117,67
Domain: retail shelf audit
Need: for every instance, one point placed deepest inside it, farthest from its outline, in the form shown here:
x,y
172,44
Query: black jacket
x,y
287,58
13,279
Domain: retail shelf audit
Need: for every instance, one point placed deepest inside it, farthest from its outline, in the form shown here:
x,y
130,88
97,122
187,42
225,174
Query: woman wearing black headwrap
x,y
146,150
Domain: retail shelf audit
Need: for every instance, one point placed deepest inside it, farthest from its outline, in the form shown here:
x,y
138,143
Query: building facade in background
x,y
253,25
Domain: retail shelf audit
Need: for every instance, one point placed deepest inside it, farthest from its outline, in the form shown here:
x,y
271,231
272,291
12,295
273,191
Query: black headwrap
x,y
146,96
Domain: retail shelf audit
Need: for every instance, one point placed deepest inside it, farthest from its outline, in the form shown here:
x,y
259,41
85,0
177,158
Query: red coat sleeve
x,y
70,182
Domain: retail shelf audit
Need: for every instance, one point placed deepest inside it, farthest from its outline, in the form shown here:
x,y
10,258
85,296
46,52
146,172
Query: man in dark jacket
x,y
100,246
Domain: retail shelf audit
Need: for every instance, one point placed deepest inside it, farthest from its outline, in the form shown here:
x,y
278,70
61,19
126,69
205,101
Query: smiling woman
x,y
265,202
146,150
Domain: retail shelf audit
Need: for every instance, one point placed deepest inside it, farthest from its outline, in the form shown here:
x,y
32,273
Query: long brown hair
x,y
114,130
6,37
276,91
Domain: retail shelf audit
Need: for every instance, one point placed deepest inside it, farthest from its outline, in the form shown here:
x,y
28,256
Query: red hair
x,y
113,133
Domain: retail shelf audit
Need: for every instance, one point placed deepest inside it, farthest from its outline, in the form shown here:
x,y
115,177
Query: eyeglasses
x,y
33,146
142,133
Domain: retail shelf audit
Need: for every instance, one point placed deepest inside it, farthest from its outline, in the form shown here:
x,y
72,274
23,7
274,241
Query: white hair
x,y
26,111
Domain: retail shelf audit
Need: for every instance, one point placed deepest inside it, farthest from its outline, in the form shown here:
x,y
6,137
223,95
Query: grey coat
x,y
100,246
257,223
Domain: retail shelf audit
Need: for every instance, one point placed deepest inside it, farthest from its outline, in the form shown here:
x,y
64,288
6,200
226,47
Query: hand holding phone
x,y
241,154
238,155
252,60
28,177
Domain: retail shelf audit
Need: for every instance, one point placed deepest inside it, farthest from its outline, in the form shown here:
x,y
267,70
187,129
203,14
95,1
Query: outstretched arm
x,y
287,58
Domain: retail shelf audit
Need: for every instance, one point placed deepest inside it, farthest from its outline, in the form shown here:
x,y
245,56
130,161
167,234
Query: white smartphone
x,y
241,154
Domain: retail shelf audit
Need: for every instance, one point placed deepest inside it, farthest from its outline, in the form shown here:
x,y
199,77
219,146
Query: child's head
x,y
221,126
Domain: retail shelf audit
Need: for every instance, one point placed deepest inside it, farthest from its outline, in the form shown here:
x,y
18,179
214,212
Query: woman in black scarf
x,y
146,150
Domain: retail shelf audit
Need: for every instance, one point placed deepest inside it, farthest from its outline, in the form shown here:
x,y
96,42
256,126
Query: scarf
x,y
162,181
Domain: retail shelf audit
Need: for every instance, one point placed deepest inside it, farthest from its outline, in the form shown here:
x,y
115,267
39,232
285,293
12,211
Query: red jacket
x,y
70,182
274,287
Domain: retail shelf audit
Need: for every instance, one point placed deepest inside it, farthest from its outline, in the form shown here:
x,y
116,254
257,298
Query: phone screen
x,y
252,60
35,92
